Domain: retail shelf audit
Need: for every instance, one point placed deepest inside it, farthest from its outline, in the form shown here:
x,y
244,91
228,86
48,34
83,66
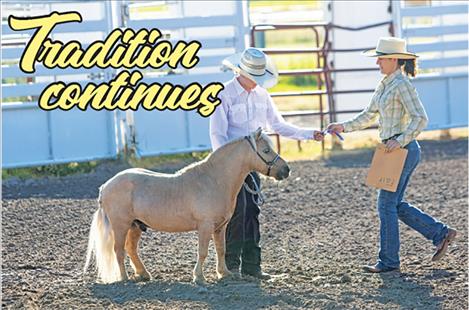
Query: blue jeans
x,y
392,207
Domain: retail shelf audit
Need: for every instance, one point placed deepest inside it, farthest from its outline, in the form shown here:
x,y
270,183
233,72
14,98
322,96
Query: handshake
x,y
333,129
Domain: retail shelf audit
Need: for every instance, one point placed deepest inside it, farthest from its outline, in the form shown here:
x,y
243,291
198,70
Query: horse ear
x,y
258,133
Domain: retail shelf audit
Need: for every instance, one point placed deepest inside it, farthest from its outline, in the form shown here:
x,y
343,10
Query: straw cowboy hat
x,y
255,65
390,47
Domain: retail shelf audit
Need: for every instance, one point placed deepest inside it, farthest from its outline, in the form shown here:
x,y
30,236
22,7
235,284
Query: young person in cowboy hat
x,y
401,118
245,106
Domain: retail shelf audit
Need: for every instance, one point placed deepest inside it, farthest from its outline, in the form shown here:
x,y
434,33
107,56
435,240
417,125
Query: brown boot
x,y
377,269
443,246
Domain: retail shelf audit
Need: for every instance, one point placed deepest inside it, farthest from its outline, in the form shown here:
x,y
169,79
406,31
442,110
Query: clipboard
x,y
386,168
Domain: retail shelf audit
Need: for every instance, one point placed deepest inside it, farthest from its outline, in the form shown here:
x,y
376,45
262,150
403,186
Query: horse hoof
x,y
141,278
200,281
228,275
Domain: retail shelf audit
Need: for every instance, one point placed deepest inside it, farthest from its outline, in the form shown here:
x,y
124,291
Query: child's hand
x,y
318,135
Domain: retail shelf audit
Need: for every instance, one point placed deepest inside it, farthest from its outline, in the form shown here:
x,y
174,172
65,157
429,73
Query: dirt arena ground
x,y
318,227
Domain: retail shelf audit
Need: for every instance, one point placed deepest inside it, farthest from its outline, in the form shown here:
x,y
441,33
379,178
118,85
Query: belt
x,y
391,138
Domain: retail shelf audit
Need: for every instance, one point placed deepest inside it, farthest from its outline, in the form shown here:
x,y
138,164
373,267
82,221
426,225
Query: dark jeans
x,y
242,232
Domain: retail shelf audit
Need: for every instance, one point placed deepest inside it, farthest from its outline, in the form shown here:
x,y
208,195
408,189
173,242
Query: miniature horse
x,y
199,197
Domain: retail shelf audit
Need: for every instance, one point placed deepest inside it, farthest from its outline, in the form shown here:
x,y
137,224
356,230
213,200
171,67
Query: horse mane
x,y
200,163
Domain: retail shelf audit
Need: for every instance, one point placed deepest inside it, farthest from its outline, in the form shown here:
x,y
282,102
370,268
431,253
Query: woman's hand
x,y
391,145
335,127
318,135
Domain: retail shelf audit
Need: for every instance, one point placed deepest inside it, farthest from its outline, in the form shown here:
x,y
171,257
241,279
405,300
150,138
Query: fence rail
x,y
58,137
443,91
452,90
322,50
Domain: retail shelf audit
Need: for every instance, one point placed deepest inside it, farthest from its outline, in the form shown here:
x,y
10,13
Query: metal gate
x,y
31,136
436,30
221,27
34,137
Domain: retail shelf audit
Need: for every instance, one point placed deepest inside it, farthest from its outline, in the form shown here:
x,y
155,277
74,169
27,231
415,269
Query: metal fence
x,y
443,91
439,34
221,32
34,137
324,71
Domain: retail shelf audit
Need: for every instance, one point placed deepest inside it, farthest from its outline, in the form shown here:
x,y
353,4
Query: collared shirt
x,y
242,112
399,108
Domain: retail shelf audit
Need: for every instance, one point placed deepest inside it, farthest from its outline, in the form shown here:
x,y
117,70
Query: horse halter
x,y
269,164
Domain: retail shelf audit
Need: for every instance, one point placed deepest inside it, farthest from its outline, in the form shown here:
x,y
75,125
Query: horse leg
x,y
219,240
120,233
131,246
205,232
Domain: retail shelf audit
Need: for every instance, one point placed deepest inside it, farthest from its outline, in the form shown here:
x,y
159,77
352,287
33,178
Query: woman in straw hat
x,y
401,118
245,106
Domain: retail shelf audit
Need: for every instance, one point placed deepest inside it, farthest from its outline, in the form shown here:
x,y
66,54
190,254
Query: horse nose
x,y
284,172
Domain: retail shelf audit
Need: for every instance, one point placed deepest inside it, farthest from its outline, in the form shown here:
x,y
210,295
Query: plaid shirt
x,y
399,108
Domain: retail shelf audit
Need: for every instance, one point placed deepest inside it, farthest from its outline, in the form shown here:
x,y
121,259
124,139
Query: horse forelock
x,y
268,140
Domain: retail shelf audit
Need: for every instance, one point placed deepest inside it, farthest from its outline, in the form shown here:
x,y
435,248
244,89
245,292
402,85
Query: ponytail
x,y
410,66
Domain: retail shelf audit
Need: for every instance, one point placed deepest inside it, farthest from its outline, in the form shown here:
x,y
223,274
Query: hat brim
x,y
374,53
267,80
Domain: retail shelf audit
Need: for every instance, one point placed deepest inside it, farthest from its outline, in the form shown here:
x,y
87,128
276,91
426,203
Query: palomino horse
x,y
199,197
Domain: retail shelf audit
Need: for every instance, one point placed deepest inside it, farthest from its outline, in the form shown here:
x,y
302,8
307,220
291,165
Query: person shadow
x,y
404,290
224,294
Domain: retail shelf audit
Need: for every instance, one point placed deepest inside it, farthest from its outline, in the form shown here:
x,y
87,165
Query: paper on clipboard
x,y
386,168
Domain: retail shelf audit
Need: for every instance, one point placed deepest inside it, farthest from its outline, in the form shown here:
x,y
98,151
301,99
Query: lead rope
x,y
256,191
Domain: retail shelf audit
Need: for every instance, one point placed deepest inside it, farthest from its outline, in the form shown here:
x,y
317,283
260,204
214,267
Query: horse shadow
x,y
225,294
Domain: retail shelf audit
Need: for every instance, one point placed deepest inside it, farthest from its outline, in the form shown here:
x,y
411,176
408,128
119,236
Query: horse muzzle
x,y
283,173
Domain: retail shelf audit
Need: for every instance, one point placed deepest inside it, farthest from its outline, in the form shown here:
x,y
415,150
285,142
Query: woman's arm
x,y
363,120
414,108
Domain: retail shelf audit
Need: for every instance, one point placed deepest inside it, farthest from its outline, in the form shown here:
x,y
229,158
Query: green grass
x,y
291,86
150,162
294,61
294,39
149,9
291,38
359,140
295,83
49,170
286,104
310,150
87,167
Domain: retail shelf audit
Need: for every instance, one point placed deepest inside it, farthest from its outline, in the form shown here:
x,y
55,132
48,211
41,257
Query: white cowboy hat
x,y
390,47
255,65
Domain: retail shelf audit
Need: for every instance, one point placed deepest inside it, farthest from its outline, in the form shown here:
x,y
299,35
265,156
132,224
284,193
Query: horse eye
x,y
266,151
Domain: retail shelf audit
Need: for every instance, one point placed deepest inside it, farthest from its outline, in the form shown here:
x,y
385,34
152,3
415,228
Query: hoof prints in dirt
x,y
318,227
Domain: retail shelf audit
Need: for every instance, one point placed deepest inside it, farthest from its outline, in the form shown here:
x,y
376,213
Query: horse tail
x,y
101,243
